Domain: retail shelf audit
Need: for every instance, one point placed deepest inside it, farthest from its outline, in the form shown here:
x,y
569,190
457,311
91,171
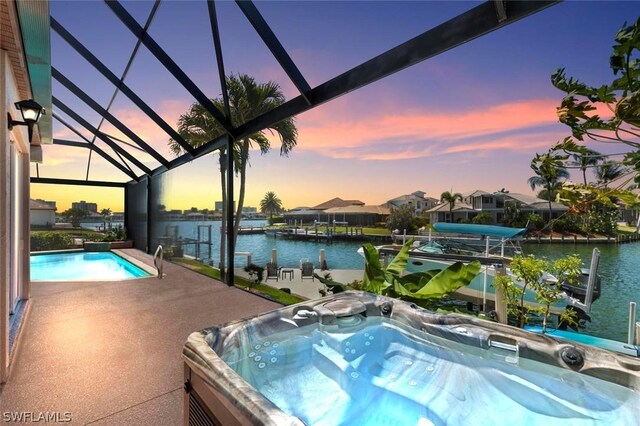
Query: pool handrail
x,y
155,260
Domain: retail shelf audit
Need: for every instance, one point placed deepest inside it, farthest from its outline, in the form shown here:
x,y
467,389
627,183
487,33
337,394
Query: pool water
x,y
385,374
83,266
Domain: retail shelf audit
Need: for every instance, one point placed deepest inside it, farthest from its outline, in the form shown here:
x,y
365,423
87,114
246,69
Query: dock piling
x,y
631,335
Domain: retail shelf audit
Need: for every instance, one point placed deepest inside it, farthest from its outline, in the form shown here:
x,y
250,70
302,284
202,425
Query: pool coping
x,y
153,273
109,352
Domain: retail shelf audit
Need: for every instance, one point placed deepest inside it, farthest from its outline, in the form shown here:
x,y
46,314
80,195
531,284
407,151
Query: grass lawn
x,y
209,271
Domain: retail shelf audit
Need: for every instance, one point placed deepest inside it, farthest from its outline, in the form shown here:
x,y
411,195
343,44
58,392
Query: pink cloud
x,y
426,131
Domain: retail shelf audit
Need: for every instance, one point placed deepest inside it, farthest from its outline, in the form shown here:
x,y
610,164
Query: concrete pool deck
x,y
109,353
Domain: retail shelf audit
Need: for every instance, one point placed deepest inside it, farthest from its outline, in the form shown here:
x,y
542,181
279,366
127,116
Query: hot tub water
x,y
382,373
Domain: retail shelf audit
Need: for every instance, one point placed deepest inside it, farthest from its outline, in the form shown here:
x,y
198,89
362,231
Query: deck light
x,y
31,112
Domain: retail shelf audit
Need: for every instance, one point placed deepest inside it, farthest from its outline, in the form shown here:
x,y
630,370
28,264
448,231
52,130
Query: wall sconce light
x,y
31,112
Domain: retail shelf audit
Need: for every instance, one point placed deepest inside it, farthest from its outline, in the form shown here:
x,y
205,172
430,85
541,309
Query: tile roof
x,y
337,202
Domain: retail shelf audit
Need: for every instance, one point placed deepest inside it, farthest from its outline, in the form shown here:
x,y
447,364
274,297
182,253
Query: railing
x,y
159,265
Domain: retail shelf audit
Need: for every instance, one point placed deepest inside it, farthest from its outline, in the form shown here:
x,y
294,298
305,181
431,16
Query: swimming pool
x,y
356,358
83,266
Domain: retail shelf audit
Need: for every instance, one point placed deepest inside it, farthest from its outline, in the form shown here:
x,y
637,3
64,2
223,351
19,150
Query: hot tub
x,y
356,358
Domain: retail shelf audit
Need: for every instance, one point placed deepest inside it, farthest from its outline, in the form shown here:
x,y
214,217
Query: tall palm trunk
x,y
244,155
223,225
549,194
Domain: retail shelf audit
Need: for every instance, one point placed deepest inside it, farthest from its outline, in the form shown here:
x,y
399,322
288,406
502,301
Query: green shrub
x,y
115,234
483,218
48,240
257,271
401,219
536,222
566,223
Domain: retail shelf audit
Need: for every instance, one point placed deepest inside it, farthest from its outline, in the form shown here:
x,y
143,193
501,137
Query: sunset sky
x,y
470,118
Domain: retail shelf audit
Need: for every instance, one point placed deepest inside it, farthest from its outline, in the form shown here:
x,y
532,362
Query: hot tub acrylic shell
x,y
216,391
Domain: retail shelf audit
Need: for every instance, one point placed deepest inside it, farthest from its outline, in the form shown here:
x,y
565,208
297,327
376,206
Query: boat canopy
x,y
489,230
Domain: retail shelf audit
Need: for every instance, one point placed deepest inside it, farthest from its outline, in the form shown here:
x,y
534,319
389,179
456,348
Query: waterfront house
x,y
43,213
494,203
629,214
358,215
417,200
318,213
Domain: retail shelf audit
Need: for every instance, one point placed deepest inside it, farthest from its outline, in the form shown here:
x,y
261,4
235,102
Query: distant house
x,y
43,213
416,200
337,202
353,212
358,215
629,215
479,201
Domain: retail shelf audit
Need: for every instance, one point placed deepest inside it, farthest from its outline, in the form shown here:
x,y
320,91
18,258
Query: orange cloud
x,y
424,131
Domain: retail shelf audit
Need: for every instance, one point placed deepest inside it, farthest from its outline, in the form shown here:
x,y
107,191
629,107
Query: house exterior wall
x,y
43,218
419,203
14,211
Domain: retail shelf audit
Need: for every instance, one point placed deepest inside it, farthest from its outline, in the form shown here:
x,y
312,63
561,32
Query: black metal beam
x,y
459,30
465,27
84,123
276,48
168,63
217,143
57,181
106,72
106,115
100,152
213,18
74,130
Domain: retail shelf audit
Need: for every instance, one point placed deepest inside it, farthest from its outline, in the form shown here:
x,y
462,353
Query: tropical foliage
x,y
483,218
271,204
75,216
106,215
247,99
392,282
528,273
401,219
513,215
451,198
549,172
581,110
585,159
50,240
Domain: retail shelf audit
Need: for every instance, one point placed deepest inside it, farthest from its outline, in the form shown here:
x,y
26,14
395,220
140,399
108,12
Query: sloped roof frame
x,y
467,26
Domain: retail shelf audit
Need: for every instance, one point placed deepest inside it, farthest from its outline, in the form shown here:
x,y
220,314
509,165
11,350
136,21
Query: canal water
x,y
619,265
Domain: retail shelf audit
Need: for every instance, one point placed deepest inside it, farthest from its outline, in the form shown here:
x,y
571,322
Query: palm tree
x,y
584,159
608,172
105,213
75,215
448,197
271,204
550,183
247,99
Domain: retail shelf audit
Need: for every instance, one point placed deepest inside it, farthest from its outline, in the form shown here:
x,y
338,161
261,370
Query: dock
x,y
307,288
